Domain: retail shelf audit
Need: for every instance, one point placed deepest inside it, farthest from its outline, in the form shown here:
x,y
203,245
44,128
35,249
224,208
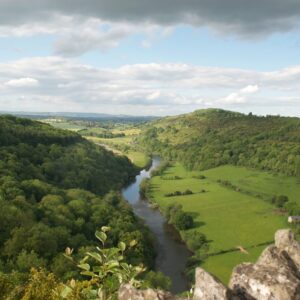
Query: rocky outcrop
x,y
127,292
208,287
275,276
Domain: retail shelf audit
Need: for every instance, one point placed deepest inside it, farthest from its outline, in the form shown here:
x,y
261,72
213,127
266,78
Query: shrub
x,y
157,280
106,268
182,220
280,201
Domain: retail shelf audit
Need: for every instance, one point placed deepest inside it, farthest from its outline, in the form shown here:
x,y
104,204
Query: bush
x,y
280,201
182,220
292,207
197,241
144,187
106,268
157,280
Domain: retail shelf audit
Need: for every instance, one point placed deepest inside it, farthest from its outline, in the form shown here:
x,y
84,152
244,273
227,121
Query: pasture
x,y
227,217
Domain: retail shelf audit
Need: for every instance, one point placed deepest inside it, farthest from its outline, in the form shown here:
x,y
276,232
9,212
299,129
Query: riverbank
x,y
172,256
237,225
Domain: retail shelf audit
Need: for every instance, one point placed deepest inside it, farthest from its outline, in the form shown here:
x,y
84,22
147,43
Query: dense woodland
x,y
56,190
214,137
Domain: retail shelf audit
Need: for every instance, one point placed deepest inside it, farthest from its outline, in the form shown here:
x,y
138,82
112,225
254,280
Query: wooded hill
x,y
56,190
213,137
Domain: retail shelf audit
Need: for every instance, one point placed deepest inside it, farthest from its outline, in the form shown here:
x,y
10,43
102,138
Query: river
x,y
171,255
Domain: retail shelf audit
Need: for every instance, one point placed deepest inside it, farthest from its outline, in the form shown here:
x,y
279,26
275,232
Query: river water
x,y
171,255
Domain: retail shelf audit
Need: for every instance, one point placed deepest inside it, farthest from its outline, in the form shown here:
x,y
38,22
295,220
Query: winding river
x,y
171,255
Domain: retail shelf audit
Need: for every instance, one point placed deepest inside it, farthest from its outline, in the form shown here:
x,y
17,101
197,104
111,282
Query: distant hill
x,y
82,116
213,137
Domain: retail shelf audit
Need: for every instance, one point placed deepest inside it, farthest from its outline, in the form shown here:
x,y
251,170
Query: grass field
x,y
138,158
228,218
64,125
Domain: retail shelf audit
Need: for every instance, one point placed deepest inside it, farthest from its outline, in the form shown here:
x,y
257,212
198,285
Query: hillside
x,y
56,190
214,137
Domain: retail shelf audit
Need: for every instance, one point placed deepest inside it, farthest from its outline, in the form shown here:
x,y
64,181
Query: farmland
x,y
229,218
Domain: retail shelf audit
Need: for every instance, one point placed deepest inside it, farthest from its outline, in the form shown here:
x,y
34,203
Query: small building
x,y
294,219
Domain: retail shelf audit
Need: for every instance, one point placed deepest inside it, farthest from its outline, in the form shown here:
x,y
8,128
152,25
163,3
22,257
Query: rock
x,y
207,287
253,281
127,292
276,274
285,240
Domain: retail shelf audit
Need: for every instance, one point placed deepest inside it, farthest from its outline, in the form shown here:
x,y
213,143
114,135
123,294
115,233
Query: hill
x,y
56,190
214,137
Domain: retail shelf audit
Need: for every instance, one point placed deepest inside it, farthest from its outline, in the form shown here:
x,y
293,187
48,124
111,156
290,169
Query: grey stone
x,y
127,292
207,287
285,240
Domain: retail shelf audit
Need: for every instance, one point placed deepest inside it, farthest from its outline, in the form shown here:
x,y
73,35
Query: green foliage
x,y
210,138
293,208
41,286
280,201
177,217
54,193
182,220
197,241
144,186
157,280
107,269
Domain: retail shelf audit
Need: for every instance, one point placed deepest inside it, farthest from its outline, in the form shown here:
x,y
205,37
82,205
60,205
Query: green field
x,y
227,217
122,145
64,125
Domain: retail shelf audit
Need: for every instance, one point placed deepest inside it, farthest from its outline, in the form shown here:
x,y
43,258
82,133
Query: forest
x,y
209,138
56,190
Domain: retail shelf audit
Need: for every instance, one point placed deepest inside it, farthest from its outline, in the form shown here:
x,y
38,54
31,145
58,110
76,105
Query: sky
x,y
158,57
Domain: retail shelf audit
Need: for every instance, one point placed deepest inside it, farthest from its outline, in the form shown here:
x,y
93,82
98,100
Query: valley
x,y
223,202
230,204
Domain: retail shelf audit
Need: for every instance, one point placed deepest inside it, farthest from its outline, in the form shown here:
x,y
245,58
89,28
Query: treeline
x,y
54,193
104,134
32,150
210,138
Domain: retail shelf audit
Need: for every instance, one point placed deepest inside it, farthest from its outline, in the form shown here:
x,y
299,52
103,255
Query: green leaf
x,y
122,246
133,243
105,228
100,235
112,264
95,255
85,267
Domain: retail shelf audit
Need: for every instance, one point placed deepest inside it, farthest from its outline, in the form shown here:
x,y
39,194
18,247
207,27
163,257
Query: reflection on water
x,y
172,255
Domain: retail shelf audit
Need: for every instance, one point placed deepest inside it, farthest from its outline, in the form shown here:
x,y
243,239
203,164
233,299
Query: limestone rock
x,y
207,287
127,292
276,274
285,240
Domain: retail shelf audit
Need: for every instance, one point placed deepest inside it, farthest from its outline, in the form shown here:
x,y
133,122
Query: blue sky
x,y
108,58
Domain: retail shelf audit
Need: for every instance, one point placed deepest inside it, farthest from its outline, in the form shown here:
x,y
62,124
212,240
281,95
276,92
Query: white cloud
x,y
233,98
58,84
240,96
22,82
249,89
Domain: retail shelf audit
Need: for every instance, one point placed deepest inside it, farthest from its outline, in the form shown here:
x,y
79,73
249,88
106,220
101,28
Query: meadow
x,y
124,146
228,217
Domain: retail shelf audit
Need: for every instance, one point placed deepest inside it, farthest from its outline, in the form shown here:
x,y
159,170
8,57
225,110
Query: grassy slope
x,y
138,158
210,138
228,218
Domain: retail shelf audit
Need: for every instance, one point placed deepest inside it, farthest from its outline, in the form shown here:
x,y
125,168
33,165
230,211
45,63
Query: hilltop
x,y
210,138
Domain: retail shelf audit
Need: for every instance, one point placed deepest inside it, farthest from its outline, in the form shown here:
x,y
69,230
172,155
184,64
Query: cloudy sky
x,y
157,57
